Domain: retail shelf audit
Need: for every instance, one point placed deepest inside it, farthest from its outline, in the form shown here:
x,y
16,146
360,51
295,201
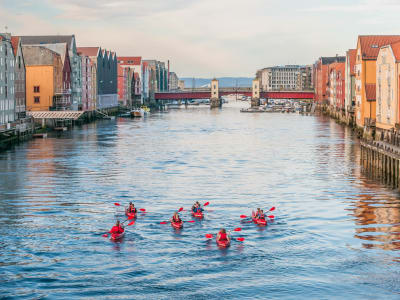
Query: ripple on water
x,y
335,232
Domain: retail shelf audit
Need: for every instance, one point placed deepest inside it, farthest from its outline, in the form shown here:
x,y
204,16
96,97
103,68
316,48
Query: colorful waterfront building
x,y
368,47
88,85
19,80
387,90
350,83
132,63
104,75
321,77
160,80
137,86
63,100
7,76
44,78
75,62
336,86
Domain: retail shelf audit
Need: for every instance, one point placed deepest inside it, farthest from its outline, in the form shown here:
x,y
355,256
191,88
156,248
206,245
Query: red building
x,y
321,77
127,84
336,86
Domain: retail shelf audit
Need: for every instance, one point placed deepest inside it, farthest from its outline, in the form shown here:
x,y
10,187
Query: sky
x,y
208,38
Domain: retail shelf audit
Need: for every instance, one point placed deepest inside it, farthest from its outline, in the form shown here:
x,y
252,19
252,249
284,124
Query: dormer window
x,y
374,46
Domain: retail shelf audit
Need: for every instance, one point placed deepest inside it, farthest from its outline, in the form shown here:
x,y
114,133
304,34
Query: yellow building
x,y
44,71
368,47
387,88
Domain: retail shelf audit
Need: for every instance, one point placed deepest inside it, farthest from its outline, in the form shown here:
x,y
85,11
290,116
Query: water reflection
x,y
378,221
57,196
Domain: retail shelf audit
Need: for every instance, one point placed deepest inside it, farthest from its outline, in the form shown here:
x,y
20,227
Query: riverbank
x,y
380,152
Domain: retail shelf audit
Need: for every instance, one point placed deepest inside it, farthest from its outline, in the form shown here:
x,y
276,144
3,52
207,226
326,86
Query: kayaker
x,y
197,207
131,209
117,228
258,213
176,218
261,215
222,236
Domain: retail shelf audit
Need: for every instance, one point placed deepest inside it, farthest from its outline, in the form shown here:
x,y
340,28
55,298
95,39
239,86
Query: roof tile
x,y
370,44
370,91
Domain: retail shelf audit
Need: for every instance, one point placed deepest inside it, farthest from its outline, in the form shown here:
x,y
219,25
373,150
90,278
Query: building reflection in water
x,y
377,220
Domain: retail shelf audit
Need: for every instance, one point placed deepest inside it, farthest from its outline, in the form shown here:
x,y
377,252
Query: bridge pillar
x,y
255,97
215,101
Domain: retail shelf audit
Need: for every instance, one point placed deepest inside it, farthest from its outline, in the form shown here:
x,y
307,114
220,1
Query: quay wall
x,y
380,151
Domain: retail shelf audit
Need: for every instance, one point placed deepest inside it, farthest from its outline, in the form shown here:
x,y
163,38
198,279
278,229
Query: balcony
x,y
63,92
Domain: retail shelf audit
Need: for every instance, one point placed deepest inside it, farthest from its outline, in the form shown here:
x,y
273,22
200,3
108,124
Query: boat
x,y
117,236
131,215
177,225
137,113
198,214
223,243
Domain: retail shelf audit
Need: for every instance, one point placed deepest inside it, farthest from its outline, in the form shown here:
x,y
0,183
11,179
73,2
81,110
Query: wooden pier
x,y
381,161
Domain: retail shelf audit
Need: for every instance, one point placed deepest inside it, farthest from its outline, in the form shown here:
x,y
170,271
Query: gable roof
x,y
329,60
370,91
59,48
47,39
396,50
370,44
88,51
38,56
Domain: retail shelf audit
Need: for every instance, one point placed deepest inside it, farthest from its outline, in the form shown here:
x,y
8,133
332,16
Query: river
x,y
336,233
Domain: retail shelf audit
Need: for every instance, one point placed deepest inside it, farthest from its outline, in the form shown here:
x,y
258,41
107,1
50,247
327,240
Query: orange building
x,y
44,77
367,51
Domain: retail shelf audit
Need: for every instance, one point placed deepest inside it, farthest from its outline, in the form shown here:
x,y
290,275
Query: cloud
x,y
100,9
209,37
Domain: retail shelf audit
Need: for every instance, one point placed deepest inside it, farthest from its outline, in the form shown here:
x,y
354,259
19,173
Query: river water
x,y
336,234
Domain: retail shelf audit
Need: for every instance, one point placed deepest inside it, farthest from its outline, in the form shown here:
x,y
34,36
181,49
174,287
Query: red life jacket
x,y
223,236
132,210
117,229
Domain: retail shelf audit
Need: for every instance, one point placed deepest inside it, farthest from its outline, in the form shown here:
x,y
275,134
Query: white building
x,y
7,76
287,78
173,81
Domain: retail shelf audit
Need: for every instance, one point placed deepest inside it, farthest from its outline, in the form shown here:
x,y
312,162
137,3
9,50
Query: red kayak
x,y
261,222
223,243
129,215
117,236
177,225
198,214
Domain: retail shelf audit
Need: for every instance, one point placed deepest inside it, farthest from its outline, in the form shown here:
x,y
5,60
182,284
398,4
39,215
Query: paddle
x,y
166,222
271,216
207,203
141,209
241,239
179,210
130,224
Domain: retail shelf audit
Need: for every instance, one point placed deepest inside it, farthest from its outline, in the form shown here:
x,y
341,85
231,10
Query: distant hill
x,y
223,81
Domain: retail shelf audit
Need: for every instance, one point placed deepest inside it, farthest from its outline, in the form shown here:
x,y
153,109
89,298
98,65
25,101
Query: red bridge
x,y
206,94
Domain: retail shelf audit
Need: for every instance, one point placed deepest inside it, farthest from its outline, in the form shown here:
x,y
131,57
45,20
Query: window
x,y
36,89
36,99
